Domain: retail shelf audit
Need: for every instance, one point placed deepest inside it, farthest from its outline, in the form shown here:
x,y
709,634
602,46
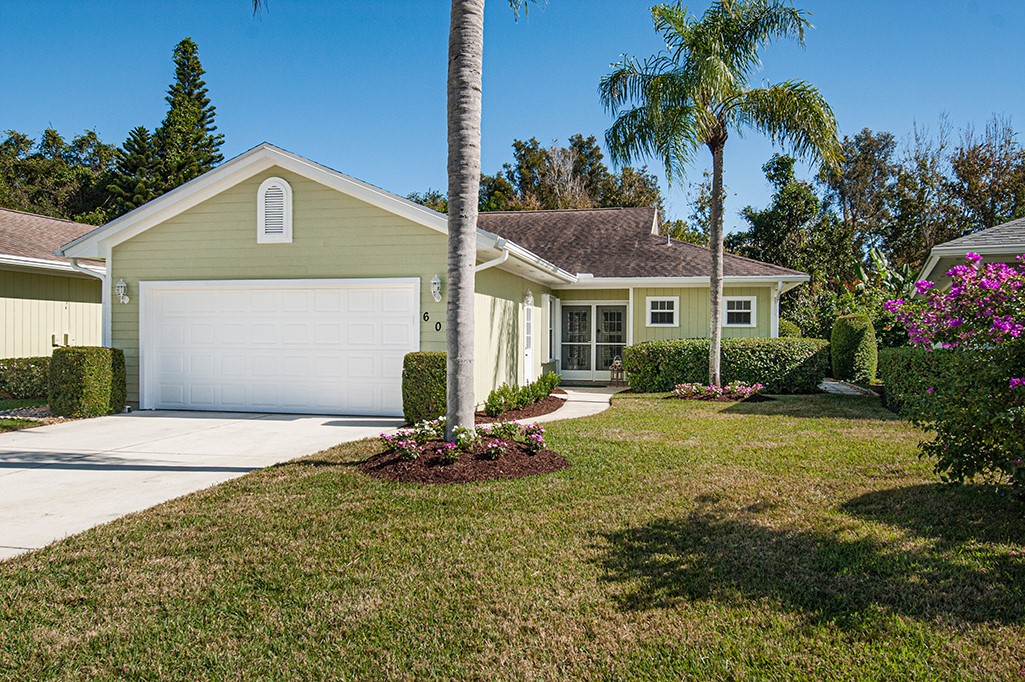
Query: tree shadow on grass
x,y
830,576
817,406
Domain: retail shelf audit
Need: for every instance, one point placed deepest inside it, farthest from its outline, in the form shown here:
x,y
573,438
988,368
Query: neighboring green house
x,y
44,301
273,283
1000,244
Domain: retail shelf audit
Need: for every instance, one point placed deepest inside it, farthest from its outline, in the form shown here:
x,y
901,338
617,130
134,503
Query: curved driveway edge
x,y
62,479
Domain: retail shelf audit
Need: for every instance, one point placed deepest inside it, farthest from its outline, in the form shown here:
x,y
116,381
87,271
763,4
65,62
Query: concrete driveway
x,y
61,479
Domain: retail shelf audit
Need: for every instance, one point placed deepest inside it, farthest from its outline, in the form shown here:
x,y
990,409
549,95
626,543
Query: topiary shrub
x,y
23,378
788,329
910,373
855,354
423,386
87,381
781,365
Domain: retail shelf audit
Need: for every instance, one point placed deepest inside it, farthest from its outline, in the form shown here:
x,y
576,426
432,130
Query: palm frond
x,y
793,113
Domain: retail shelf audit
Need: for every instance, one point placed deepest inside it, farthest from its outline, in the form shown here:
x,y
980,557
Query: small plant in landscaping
x,y
506,398
533,436
736,390
449,453
407,449
493,448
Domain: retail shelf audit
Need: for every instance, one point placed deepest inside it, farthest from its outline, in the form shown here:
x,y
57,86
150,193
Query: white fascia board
x,y
43,264
538,263
986,250
679,282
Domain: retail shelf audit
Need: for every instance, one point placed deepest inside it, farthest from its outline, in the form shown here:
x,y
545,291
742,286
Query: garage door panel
x,y
311,346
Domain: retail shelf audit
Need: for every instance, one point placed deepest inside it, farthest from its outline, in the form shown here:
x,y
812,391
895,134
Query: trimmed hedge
x,y
87,381
789,330
854,350
781,365
23,378
907,373
423,386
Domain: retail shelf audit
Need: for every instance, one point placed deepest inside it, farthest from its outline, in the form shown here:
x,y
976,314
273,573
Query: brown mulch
x,y
515,462
546,406
558,391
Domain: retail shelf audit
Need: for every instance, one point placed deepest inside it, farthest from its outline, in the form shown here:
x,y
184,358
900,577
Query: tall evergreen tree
x,y
137,178
186,142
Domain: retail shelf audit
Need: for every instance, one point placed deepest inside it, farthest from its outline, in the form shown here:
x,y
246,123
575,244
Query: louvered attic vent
x,y
274,212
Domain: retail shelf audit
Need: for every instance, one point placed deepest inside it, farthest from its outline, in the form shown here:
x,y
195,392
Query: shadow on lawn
x,y
826,575
817,406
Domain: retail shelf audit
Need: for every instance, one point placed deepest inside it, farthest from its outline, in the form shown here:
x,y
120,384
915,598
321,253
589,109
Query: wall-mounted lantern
x,y
436,288
121,289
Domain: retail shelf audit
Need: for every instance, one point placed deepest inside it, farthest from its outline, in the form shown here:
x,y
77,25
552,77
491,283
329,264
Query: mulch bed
x,y
515,462
546,406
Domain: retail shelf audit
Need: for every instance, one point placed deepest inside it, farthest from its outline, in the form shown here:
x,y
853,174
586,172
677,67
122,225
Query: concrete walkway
x,y
61,479
581,401
844,388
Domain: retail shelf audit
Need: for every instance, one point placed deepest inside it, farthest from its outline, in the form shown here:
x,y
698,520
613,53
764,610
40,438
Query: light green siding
x,y
694,308
499,330
36,308
334,236
594,294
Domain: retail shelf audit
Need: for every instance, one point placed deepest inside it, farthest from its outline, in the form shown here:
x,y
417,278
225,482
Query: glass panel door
x,y
610,335
576,338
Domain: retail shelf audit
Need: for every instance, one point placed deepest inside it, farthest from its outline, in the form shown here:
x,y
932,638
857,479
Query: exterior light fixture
x,y
436,288
121,289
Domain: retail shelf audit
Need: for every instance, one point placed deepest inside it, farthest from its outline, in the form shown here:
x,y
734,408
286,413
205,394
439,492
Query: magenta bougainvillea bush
x,y
978,412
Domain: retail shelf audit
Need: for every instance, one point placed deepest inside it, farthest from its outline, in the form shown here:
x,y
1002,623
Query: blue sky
x,y
360,86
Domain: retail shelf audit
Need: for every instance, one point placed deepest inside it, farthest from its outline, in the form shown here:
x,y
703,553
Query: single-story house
x,y
1000,244
45,302
273,283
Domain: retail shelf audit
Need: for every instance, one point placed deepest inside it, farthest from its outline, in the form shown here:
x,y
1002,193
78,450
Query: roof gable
x,y
258,159
1010,234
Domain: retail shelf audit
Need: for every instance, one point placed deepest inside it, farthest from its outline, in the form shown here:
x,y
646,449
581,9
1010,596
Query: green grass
x,y
794,539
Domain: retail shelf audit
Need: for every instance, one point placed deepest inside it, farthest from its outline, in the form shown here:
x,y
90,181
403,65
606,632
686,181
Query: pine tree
x,y
137,177
186,143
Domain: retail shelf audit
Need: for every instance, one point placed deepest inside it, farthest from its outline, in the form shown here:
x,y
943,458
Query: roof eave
x,y
590,282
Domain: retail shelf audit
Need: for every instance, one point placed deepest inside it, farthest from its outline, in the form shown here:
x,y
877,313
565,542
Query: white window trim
x,y
261,236
647,310
754,311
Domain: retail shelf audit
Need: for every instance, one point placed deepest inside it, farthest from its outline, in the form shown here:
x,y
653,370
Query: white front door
x,y
303,346
593,335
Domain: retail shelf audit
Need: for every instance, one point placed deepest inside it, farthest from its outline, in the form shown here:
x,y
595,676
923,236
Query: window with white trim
x,y
663,311
739,311
274,212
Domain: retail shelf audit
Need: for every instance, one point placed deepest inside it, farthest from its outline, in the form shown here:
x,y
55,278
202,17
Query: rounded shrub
x,y
853,346
788,329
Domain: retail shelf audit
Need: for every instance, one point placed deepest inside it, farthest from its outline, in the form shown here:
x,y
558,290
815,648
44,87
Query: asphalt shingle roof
x,y
1008,233
36,236
613,242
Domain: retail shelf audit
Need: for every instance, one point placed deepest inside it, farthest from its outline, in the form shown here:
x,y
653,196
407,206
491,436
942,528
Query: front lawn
x,y
800,538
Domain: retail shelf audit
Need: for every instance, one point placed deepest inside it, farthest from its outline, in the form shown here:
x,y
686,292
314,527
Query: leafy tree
x,y
433,199
671,105
137,173
55,177
186,142
987,180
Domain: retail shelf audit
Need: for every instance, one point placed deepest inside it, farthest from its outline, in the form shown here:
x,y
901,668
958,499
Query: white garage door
x,y
304,346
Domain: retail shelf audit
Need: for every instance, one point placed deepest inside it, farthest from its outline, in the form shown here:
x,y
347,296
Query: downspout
x,y
774,322
104,278
495,261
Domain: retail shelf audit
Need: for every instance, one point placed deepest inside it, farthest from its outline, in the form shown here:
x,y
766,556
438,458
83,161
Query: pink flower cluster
x,y
984,305
736,390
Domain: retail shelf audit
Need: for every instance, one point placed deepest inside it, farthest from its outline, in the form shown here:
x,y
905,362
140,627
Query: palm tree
x,y
695,94
465,59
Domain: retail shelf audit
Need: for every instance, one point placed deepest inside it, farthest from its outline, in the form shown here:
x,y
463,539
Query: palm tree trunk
x,y
715,280
465,58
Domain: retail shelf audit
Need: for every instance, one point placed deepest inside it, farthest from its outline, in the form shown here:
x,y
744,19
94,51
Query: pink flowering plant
x,y
736,390
491,441
977,412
